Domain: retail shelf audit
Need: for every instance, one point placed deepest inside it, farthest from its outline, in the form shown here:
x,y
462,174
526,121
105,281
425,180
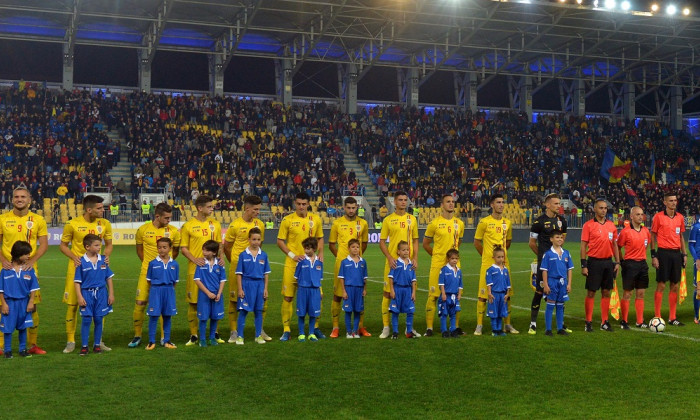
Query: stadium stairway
x,y
371,192
123,168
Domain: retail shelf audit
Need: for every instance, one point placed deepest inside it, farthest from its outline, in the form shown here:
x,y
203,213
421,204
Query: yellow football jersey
x,y
147,235
21,228
493,232
195,233
237,234
343,230
397,228
75,231
446,234
294,229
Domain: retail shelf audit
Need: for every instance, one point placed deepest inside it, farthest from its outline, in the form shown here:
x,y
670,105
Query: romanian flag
x,y
613,169
615,303
652,170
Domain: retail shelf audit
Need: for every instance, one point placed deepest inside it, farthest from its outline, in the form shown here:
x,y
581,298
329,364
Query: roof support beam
x,y
325,21
394,35
228,42
151,38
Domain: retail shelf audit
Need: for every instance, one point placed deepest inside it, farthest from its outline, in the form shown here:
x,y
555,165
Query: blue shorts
x,y
695,275
96,305
161,301
402,303
499,308
253,300
18,318
309,301
449,307
557,290
355,301
209,308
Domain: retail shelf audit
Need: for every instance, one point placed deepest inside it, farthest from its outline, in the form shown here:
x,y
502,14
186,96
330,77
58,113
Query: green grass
x,y
634,374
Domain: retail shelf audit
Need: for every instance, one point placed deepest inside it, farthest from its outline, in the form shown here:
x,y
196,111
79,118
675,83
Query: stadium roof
x,y
546,40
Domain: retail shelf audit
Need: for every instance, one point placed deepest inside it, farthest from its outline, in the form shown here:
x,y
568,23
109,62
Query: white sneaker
x,y
356,335
104,347
264,335
509,329
415,333
232,338
349,335
477,330
239,341
386,333
69,347
260,339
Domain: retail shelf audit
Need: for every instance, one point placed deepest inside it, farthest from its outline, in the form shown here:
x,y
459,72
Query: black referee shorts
x,y
635,274
670,265
601,273
539,282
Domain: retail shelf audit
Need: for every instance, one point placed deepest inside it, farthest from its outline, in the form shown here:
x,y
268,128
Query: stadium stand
x,y
228,147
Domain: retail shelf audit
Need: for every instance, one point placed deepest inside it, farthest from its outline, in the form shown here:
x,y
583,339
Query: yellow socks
x,y
71,321
32,331
385,311
233,315
335,312
480,310
139,315
192,319
286,314
430,309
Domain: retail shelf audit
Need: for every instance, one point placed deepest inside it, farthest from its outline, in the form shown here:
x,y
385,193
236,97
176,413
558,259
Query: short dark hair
x,y
353,241
91,201
90,238
211,246
252,200
20,249
254,231
557,232
399,193
302,196
350,200
310,242
202,200
445,196
551,196
599,199
166,241
398,246
498,248
494,197
670,194
452,253
163,208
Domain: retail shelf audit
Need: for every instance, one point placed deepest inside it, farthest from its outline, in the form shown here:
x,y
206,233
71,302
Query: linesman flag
x,y
615,303
683,288
613,168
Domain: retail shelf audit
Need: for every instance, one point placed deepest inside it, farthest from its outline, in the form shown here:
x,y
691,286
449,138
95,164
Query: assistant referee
x,y
598,245
635,239
669,259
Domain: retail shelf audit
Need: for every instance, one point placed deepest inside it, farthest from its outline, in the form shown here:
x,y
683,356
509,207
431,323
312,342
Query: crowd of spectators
x,y
50,139
228,147
472,156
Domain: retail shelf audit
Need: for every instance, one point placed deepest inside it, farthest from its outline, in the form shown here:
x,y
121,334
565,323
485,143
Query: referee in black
x,y
540,234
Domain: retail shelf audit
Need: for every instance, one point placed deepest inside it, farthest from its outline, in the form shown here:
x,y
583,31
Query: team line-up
x,y
89,287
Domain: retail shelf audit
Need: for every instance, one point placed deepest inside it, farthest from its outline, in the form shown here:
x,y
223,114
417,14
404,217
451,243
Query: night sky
x,y
187,71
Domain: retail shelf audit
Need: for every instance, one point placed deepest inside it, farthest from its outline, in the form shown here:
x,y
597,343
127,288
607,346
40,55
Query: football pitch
x,y
626,374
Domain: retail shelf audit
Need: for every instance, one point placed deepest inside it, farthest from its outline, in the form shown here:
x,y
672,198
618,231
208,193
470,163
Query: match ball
x,y
657,325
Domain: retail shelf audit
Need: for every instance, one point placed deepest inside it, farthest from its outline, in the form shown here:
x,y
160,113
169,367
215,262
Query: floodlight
x,y
671,10
610,4
686,12
595,3
579,1
625,5
654,7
